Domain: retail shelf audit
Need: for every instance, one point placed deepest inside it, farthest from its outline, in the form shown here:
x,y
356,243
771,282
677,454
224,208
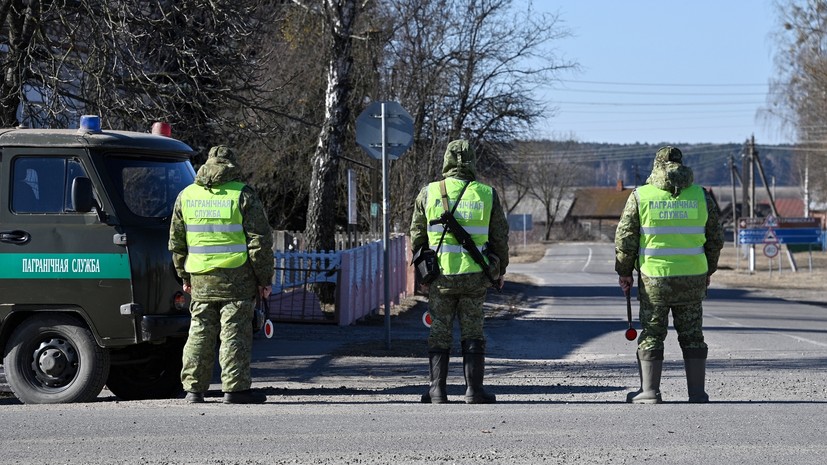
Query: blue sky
x,y
663,71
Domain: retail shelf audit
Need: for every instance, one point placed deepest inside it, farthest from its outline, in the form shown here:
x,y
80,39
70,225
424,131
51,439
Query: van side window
x,y
43,184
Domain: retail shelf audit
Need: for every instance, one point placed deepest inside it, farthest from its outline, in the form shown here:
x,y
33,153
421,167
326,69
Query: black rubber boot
x,y
650,364
473,362
694,361
438,390
244,397
194,397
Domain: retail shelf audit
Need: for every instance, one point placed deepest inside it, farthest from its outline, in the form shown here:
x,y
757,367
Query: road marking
x,y
779,333
588,260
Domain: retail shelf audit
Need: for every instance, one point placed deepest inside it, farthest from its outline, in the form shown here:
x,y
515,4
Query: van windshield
x,y
149,186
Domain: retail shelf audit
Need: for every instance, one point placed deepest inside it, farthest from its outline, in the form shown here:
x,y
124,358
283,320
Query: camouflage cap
x,y
668,154
222,151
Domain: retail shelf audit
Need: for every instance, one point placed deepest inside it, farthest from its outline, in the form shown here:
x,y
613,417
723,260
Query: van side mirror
x,y
82,199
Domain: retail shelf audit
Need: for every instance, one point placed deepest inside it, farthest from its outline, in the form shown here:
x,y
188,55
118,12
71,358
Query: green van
x,y
88,293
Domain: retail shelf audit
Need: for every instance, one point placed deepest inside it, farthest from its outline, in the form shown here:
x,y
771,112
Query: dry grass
x,y
529,253
733,271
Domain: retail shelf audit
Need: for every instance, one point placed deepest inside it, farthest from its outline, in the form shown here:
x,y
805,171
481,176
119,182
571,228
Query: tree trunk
x,y
321,210
320,229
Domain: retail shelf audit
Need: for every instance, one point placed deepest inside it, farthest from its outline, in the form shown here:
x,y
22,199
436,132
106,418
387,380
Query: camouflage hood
x,y
219,168
669,173
460,161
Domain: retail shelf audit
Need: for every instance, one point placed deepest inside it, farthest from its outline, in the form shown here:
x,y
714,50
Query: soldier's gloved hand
x,y
500,283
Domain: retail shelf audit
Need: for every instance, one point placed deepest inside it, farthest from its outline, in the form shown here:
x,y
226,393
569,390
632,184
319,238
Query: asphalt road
x,y
558,363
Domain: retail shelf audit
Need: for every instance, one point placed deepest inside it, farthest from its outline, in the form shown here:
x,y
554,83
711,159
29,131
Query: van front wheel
x,y
55,359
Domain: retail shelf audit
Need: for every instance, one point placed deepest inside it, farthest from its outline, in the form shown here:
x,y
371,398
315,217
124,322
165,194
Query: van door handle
x,y
16,237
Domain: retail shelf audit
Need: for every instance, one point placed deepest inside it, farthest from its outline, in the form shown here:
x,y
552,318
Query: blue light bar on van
x,y
90,123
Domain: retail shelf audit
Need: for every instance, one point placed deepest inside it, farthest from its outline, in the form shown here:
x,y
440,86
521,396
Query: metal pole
x,y
386,236
524,230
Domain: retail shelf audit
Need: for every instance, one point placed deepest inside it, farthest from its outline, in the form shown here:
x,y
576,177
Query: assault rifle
x,y
449,222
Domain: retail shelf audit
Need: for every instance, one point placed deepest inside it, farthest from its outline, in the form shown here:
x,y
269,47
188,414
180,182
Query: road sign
x,y
770,250
773,230
521,222
398,130
780,236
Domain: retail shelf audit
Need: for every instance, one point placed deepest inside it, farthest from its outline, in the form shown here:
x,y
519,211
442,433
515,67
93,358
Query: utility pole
x,y
747,207
807,184
752,155
733,173
757,162
745,200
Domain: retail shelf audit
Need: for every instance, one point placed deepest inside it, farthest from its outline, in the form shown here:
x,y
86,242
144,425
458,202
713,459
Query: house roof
x,y
599,203
789,207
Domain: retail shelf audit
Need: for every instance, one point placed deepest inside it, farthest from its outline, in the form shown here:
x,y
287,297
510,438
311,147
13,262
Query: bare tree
x,y
550,180
193,63
799,95
466,68
513,178
339,20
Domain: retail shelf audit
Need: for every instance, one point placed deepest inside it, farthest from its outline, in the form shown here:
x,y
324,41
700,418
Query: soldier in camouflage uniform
x,y
460,290
669,231
222,249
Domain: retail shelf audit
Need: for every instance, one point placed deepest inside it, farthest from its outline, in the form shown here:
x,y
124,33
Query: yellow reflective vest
x,y
473,213
672,232
215,233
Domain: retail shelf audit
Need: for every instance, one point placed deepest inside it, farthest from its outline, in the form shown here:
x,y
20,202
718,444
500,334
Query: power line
x,y
660,84
659,104
629,92
650,112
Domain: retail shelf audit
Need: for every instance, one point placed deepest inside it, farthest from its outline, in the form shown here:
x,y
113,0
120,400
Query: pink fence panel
x,y
361,284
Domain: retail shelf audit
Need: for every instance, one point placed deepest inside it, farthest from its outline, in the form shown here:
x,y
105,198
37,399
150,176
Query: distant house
x,y
598,209
790,207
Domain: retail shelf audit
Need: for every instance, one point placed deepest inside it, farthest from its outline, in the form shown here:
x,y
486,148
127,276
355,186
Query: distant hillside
x,y
632,163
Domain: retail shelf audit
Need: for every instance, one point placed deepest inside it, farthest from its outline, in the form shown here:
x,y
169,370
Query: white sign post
x,y
385,130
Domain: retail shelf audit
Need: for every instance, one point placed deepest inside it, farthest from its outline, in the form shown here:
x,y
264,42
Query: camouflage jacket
x,y
227,283
460,162
681,290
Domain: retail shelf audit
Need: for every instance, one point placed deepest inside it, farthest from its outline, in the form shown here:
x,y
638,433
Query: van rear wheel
x,y
55,359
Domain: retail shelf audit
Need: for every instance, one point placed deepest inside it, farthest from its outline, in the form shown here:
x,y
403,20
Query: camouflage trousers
x,y
231,322
687,319
444,308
